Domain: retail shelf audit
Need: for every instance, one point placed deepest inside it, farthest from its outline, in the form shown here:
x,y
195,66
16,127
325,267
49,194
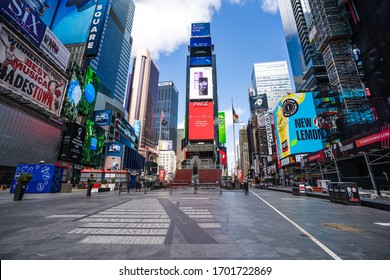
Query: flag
x,y
235,116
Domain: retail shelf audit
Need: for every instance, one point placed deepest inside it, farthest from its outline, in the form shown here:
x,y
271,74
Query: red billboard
x,y
201,121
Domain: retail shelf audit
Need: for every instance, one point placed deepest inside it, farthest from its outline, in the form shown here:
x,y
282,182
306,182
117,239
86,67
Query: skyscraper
x,y
143,92
271,79
167,103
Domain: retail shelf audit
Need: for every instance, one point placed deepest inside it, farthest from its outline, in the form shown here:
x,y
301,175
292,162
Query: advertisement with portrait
x,y
93,144
103,117
26,16
296,132
72,143
221,127
81,96
73,13
200,29
114,156
201,83
201,121
26,74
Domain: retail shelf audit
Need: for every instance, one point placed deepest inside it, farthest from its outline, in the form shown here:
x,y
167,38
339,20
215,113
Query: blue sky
x,y
243,32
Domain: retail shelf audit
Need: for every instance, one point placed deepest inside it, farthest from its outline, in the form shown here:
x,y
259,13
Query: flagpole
x,y
234,143
158,146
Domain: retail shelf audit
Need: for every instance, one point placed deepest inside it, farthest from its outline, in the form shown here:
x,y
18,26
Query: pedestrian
x,y
246,186
138,184
91,181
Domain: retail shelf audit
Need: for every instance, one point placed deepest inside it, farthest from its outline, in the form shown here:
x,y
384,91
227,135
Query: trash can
x,y
344,193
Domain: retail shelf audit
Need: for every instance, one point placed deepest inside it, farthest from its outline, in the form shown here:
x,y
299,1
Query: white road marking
x,y
124,239
383,224
65,216
316,241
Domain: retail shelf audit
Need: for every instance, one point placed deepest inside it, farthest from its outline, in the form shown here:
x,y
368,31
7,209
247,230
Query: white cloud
x,y
163,26
269,6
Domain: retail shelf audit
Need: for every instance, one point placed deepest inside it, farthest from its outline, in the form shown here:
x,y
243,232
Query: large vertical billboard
x,y
201,121
81,96
76,14
201,83
296,131
28,75
72,143
27,18
93,144
258,103
221,127
114,156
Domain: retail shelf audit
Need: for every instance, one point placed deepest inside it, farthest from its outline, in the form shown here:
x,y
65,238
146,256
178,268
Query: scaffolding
x,y
346,93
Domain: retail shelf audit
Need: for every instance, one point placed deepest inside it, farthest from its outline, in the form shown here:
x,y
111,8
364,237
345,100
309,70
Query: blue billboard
x,y
201,61
200,42
46,178
295,129
73,20
103,117
201,29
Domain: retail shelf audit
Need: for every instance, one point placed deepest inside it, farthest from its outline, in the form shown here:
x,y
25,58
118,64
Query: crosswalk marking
x,y
383,224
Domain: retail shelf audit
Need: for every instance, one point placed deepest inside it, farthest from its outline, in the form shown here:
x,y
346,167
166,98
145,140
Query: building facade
x,y
142,94
167,103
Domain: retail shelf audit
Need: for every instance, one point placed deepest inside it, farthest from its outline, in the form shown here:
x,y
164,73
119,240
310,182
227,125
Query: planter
x,y
19,192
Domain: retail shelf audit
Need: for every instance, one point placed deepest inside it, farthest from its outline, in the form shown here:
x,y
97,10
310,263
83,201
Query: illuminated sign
x,y
221,127
95,33
201,121
201,83
201,29
295,129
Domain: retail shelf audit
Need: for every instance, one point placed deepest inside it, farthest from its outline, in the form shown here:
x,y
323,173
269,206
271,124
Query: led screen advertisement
x,y
200,29
73,13
26,15
201,121
200,42
103,117
221,127
93,144
114,156
81,96
26,74
296,132
201,83
72,143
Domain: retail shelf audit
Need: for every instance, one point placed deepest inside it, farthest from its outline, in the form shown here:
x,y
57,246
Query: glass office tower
x,y
167,102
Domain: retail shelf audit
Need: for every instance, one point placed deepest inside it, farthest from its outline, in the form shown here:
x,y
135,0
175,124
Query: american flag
x,y
236,119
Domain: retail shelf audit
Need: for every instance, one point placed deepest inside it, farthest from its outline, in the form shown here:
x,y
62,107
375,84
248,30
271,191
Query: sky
x,y
243,32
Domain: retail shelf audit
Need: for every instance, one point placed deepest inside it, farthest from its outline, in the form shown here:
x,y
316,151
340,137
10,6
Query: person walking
x,y
91,181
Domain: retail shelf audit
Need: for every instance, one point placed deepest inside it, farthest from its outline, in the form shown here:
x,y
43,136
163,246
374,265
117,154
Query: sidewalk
x,y
377,203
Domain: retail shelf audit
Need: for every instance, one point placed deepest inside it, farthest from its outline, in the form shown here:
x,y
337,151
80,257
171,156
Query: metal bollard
x,y
220,190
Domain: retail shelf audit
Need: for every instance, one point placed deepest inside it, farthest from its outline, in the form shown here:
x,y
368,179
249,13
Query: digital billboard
x,y
295,130
201,83
103,117
200,42
72,143
28,20
221,127
78,14
201,121
114,156
200,29
81,96
223,156
201,61
28,75
93,144
165,145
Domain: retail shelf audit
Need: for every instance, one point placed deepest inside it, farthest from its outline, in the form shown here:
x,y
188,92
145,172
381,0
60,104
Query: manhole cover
x,y
342,227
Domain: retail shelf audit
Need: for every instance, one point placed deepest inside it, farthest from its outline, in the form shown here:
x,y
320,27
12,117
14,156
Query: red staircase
x,y
210,176
183,177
